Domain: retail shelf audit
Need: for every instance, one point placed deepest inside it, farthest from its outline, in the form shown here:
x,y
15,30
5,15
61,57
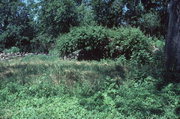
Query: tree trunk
x,y
173,38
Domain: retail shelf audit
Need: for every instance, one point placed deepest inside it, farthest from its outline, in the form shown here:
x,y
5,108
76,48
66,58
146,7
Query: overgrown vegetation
x,y
33,25
103,59
46,87
96,42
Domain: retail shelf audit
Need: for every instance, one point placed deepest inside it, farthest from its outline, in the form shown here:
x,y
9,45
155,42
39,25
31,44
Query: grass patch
x,y
48,87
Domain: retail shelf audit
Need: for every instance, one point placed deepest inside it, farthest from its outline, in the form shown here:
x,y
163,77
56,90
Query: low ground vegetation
x,y
48,87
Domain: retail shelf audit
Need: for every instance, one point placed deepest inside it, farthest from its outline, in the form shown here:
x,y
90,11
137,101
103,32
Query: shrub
x,y
91,40
12,50
42,43
96,42
137,99
132,43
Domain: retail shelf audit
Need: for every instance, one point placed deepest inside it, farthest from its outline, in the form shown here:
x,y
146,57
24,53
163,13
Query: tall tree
x,y
173,38
57,16
15,24
150,15
108,12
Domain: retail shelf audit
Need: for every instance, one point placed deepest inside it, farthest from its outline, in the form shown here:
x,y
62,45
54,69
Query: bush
x,y
132,43
92,42
96,42
12,50
42,43
137,99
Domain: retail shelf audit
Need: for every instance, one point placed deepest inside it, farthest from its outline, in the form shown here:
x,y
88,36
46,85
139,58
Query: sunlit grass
x,y
49,87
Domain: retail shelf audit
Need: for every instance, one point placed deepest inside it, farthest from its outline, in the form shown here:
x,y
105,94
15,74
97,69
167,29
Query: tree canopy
x,y
16,24
23,22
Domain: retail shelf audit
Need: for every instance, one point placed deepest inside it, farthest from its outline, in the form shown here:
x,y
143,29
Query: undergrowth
x,y
47,87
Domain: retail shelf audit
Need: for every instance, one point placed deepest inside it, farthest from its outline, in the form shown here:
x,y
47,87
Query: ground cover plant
x,y
48,87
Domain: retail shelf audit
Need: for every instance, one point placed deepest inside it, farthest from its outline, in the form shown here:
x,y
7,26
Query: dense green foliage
x,y
108,13
92,41
95,42
86,15
122,42
132,12
58,16
16,27
46,87
28,22
132,43
12,50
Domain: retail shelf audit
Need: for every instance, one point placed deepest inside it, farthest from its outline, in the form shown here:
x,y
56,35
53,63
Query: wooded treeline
x,y
26,24
34,25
